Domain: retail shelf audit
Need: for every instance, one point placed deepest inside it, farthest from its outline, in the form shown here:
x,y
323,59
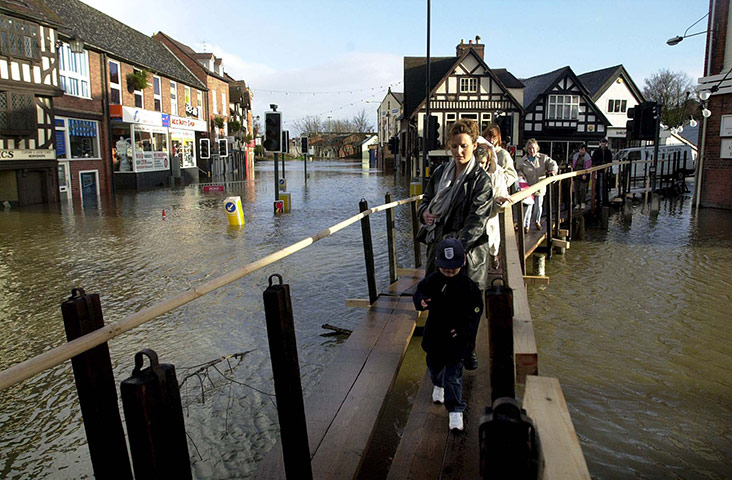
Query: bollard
x,y
604,217
97,391
154,418
509,445
368,251
539,264
390,240
286,373
234,211
415,229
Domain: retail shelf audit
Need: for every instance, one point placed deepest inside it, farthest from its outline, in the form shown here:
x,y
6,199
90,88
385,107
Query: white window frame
x,y
66,188
199,103
81,62
224,106
187,95
173,97
67,139
157,97
468,85
115,86
138,92
215,105
562,107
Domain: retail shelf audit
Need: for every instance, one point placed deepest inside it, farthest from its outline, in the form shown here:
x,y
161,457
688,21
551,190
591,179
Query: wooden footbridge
x,y
333,438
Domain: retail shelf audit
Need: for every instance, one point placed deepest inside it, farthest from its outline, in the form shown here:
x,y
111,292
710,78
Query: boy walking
x,y
455,306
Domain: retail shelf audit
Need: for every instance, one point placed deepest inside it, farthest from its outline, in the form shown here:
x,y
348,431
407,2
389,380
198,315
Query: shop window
x,y
173,98
19,38
73,71
156,95
83,139
115,88
563,107
17,114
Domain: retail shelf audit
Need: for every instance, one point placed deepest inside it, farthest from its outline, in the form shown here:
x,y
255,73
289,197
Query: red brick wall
x,y
718,33
83,104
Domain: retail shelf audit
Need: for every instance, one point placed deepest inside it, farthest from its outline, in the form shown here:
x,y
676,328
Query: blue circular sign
x,y
230,207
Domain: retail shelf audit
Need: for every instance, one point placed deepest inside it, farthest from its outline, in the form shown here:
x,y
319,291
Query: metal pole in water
x,y
286,372
390,240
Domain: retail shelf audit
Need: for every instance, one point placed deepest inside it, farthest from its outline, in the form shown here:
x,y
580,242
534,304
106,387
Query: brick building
x,y
110,129
716,164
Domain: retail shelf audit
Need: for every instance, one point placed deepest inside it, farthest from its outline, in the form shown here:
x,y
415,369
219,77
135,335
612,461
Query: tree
x,y
361,122
675,91
309,125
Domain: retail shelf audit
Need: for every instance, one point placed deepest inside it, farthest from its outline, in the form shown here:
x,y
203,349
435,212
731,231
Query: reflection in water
x,y
641,345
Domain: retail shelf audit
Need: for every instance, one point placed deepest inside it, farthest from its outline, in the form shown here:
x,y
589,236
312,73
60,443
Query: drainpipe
x,y
700,156
106,119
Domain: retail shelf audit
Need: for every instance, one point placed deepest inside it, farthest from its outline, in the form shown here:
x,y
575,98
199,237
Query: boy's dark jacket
x,y
455,303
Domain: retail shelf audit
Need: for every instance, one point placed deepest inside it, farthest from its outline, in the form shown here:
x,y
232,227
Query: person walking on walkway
x,y
602,156
487,156
581,161
457,203
455,306
493,135
534,166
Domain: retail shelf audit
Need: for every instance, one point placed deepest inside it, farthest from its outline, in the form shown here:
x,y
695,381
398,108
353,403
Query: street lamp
x,y
677,39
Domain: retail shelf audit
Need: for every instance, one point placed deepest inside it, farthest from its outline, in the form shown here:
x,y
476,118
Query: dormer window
x,y
19,38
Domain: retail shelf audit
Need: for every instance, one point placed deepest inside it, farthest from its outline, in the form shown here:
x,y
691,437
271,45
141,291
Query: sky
x,y
334,58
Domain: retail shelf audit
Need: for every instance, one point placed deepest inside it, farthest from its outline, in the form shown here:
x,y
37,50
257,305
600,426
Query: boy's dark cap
x,y
450,254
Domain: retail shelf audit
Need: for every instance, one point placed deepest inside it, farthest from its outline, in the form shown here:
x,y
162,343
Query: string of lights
x,y
333,110
340,92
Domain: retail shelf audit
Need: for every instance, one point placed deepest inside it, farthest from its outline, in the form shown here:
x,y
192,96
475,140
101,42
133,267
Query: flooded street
x,y
634,323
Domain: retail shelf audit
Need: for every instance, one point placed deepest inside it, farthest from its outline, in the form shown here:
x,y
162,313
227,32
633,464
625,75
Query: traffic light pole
x,y
277,179
657,111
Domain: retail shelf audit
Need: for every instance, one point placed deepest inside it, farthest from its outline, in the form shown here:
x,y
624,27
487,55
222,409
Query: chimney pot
x,y
470,42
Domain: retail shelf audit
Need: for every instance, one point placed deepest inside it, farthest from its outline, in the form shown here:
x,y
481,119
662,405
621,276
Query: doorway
x,y
89,187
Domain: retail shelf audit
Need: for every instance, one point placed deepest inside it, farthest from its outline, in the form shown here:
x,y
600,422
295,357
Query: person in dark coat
x,y
458,201
602,156
455,307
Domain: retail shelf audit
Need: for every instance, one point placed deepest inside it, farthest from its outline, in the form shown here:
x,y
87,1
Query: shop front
x,y
140,148
184,167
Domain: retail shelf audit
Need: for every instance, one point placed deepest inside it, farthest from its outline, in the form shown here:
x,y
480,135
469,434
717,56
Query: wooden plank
x,y
406,284
545,404
340,453
563,232
410,272
536,280
337,381
358,302
422,446
560,243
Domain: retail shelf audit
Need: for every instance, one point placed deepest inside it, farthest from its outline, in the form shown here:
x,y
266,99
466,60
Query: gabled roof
x,y
598,81
507,78
196,56
415,72
102,32
691,134
539,84
33,10
399,96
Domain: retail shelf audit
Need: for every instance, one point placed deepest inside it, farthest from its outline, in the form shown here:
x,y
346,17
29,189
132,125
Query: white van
x,y
675,161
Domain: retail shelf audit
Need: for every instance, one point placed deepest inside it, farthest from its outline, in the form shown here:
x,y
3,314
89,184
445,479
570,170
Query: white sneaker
x,y
456,421
438,395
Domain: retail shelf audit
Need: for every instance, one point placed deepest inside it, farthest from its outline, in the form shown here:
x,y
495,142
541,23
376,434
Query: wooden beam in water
x,y
358,302
563,232
556,242
545,404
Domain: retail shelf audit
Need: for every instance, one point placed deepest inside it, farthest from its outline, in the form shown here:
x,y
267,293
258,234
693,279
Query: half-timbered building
x,y
560,114
389,115
614,92
28,82
463,86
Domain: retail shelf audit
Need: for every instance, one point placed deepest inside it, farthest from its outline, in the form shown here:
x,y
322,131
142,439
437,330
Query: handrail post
x,y
97,390
368,251
549,219
570,207
559,208
391,241
415,229
286,373
521,238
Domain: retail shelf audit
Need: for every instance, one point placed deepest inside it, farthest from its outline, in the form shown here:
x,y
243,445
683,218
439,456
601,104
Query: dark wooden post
x,y
95,384
521,237
286,372
415,229
368,251
549,219
559,208
391,241
570,207
499,303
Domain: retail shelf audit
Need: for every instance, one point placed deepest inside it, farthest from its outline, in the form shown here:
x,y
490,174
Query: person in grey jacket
x,y
457,203
533,167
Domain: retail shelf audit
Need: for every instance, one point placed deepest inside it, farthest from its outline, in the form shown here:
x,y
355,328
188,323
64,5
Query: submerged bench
x,y
343,410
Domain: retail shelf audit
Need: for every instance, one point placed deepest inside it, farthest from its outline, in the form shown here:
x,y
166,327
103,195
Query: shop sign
x,y
138,115
616,133
27,154
166,119
191,111
726,148
725,128
160,160
187,123
143,161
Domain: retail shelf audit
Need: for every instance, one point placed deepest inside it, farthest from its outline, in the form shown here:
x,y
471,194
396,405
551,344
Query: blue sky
x,y
356,48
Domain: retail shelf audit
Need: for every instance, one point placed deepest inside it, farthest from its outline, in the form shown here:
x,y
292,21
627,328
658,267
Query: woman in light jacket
x,y
503,158
533,167
487,156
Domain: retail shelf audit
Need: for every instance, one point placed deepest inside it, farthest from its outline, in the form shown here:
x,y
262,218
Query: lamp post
x,y
677,39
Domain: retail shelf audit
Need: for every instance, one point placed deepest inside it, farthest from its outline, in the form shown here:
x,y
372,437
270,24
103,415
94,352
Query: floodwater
x,y
634,323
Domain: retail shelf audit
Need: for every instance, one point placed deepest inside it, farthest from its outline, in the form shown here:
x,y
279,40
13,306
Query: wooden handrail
x,y
35,365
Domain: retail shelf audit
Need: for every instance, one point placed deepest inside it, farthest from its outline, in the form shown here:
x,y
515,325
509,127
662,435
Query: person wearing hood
x,y
489,159
533,167
457,203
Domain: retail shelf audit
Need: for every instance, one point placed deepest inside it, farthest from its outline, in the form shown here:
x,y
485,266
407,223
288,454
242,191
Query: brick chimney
x,y
478,47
